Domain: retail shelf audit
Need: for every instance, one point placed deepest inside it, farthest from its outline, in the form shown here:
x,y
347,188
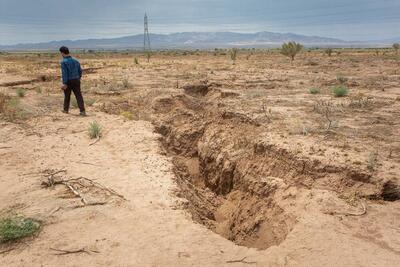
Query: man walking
x,y
71,78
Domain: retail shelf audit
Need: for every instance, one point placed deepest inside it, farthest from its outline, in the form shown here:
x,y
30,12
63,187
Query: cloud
x,y
44,20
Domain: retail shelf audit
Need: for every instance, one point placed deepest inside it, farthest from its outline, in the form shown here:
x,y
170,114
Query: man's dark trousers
x,y
74,86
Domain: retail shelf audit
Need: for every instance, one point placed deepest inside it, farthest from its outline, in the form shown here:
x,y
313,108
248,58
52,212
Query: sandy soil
x,y
183,203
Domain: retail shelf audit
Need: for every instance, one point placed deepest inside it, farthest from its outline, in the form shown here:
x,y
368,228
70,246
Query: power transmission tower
x,y
146,36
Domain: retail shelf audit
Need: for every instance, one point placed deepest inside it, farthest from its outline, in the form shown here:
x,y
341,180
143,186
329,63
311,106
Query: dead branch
x,y
87,163
5,147
51,179
7,250
97,140
76,192
83,199
70,185
242,261
111,191
62,252
88,204
108,93
32,173
52,173
54,211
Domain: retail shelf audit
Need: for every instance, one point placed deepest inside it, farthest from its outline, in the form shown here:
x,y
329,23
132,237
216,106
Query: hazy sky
x,y
46,20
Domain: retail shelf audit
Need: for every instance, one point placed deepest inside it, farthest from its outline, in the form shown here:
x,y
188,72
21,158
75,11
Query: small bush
x,y
233,54
127,115
95,130
10,108
329,52
341,79
21,92
396,47
314,91
291,49
372,161
136,61
340,91
12,229
125,83
148,56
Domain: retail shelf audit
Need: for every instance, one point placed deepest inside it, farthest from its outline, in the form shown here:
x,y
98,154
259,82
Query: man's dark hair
x,y
64,50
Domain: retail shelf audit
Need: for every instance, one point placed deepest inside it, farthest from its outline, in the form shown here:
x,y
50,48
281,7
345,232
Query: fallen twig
x,y
242,261
54,211
5,147
7,250
66,252
111,191
56,172
87,163
76,193
88,204
50,179
97,140
74,184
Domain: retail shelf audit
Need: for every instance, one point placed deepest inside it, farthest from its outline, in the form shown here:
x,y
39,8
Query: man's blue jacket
x,y
71,69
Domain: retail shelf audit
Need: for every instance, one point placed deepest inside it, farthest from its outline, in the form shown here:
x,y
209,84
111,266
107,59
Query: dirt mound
x,y
198,89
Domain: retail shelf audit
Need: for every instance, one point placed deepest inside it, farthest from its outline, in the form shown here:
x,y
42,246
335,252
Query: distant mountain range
x,y
202,40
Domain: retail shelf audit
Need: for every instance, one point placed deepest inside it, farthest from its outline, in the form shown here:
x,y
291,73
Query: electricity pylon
x,y
146,36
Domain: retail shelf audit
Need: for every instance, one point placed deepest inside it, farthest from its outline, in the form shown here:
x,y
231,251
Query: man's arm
x,y
64,72
80,70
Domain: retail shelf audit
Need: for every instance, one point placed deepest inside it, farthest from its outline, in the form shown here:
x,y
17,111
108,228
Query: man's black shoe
x,y
82,114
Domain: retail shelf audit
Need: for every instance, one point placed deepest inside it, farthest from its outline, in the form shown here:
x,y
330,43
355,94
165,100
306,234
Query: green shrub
x,y
372,161
10,108
95,130
291,49
136,61
127,115
340,91
329,52
148,56
341,79
396,47
12,229
125,83
314,91
233,54
21,92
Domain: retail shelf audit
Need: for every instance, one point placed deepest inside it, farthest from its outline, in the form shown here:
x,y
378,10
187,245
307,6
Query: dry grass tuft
x,y
95,130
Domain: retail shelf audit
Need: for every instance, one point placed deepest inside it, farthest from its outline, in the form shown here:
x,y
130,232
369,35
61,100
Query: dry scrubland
x,y
295,163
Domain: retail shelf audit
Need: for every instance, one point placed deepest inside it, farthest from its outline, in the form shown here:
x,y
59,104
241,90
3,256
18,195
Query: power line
x,y
146,35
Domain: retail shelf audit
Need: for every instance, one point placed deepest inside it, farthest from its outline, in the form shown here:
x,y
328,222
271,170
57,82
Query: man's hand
x,y
64,87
